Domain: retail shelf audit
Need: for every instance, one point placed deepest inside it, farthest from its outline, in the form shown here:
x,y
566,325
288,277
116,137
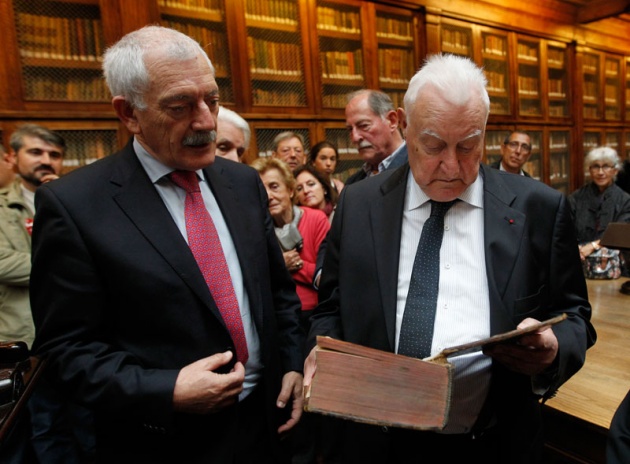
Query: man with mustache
x,y
171,313
373,124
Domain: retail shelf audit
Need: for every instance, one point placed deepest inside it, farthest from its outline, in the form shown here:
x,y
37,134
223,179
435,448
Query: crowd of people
x,y
177,291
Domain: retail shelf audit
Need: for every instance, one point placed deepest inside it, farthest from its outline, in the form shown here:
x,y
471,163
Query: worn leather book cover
x,y
378,387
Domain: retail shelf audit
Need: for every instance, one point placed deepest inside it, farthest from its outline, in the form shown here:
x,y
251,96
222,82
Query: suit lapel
x,y
386,224
504,228
138,198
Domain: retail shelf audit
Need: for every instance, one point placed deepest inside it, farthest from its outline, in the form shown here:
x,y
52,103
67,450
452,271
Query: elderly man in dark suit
x,y
507,259
124,311
374,126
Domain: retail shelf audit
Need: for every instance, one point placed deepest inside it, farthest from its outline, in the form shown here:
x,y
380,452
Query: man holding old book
x,y
460,252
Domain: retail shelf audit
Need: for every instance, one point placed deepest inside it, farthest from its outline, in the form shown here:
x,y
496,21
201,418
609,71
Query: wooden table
x,y
577,419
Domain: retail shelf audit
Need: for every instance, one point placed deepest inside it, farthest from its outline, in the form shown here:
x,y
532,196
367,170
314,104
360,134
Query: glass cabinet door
x,y
60,47
494,50
558,81
533,166
275,53
457,40
340,41
591,86
560,160
349,160
612,88
396,57
528,58
206,24
494,141
627,91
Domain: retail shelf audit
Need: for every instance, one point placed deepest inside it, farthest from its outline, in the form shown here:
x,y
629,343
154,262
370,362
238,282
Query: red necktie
x,y
205,245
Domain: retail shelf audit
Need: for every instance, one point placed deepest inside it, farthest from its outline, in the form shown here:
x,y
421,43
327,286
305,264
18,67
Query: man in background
x,y
507,259
36,157
515,152
163,302
233,135
375,128
288,146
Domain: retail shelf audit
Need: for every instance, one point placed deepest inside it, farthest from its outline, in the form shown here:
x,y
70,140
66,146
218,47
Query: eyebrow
x,y
431,133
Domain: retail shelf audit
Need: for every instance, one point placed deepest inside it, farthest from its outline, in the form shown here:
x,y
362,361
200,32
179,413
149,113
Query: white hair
x,y
456,78
123,63
227,115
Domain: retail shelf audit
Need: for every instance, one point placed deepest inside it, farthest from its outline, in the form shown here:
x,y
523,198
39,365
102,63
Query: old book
x,y
377,387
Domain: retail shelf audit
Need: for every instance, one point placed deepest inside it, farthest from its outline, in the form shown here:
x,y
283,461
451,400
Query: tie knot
x,y
186,180
439,208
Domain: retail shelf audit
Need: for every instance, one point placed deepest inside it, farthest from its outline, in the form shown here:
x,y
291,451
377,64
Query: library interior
x,y
556,69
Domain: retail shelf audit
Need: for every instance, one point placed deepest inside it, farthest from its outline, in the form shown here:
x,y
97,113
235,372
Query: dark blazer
x,y
497,165
533,270
120,305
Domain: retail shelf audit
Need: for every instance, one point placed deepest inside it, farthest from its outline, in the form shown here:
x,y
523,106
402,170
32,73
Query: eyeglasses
x,y
524,147
605,167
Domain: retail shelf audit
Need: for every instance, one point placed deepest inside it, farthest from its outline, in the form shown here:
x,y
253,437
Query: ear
x,y
10,157
402,118
392,118
127,114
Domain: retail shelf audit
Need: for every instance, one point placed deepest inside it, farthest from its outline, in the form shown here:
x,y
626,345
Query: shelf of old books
x,y
494,141
340,48
558,83
494,52
612,88
457,40
627,91
560,160
591,94
397,61
275,53
529,77
60,47
534,165
205,22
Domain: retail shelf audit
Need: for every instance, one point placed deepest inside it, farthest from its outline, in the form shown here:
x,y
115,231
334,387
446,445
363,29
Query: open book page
x,y
510,336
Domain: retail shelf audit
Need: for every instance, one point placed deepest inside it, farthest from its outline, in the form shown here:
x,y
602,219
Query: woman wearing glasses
x,y
599,202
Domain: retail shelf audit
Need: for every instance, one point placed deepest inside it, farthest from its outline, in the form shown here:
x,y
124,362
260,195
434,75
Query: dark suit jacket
x,y
120,305
533,270
400,159
497,165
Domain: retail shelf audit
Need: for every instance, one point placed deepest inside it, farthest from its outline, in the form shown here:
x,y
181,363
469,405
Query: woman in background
x,y
300,232
314,191
599,202
324,158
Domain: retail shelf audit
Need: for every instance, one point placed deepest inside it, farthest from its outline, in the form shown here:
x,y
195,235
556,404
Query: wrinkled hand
x,y
292,260
531,354
291,388
199,390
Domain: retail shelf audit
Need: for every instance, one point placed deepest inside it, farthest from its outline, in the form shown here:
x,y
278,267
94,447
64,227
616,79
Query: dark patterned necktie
x,y
205,245
416,330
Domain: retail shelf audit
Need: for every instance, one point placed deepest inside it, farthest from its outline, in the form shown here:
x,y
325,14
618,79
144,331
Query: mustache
x,y
365,145
200,138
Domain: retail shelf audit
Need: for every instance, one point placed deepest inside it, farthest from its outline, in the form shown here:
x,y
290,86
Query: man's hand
x,y
310,366
531,354
291,388
199,390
